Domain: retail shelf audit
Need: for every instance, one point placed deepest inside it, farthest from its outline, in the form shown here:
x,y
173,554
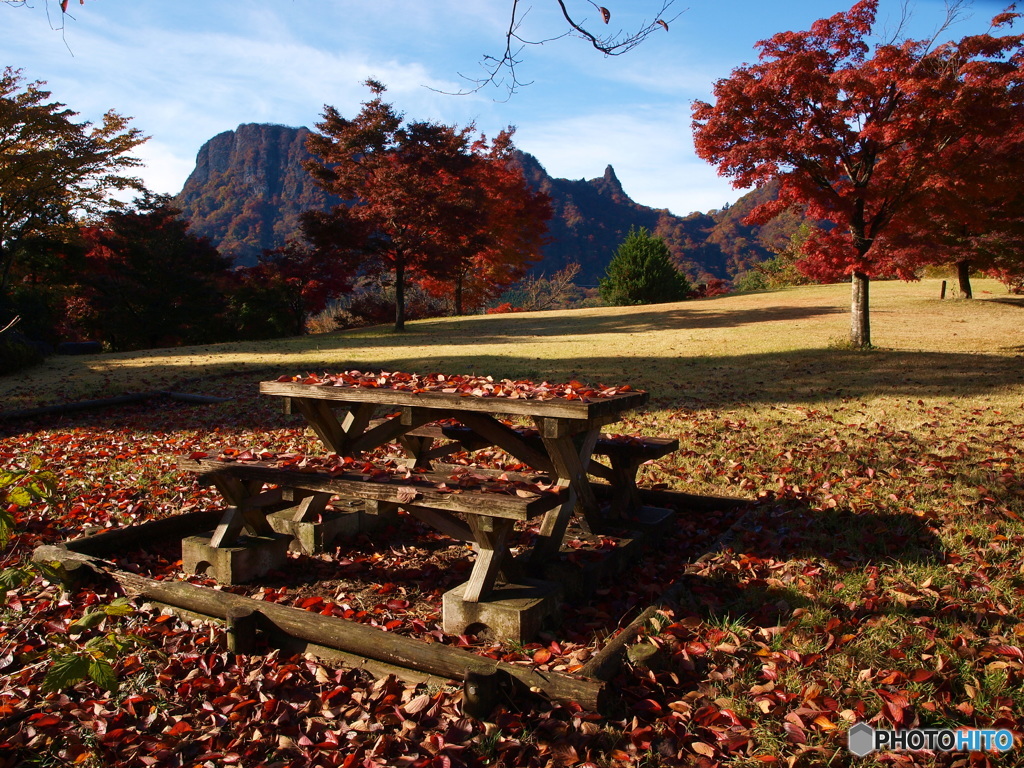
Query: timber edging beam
x,y
332,632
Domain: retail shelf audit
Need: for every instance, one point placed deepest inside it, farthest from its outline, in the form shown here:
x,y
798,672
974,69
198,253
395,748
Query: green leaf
x,y
43,484
65,671
88,621
122,606
53,572
6,526
19,495
103,674
12,578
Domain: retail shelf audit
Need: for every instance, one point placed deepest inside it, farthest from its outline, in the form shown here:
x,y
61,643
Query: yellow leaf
x,y
824,723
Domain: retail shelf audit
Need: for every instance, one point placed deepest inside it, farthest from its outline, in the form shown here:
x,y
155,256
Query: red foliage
x,y
715,286
299,278
430,202
503,309
858,136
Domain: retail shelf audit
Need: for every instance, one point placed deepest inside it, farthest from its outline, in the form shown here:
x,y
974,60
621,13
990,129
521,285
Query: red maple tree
x,y
858,136
973,219
430,202
504,226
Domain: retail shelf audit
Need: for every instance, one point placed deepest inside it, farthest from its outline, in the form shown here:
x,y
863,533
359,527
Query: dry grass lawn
x,y
778,347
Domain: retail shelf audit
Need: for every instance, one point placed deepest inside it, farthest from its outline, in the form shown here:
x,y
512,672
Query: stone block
x,y
315,537
510,612
580,571
250,557
652,522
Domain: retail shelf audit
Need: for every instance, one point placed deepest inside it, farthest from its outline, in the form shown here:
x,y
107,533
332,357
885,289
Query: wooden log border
x,y
332,632
378,652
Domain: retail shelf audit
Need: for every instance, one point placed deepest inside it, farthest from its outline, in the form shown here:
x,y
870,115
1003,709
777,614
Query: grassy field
x,y
781,347
878,576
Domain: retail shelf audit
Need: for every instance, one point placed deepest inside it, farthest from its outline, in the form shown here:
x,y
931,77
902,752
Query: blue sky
x,y
186,70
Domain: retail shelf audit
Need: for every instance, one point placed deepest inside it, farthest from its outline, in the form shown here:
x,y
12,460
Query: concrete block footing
x,y
314,537
348,519
250,557
511,611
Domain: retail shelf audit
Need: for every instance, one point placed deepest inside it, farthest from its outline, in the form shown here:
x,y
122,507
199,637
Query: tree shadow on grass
x,y
691,316
815,376
747,579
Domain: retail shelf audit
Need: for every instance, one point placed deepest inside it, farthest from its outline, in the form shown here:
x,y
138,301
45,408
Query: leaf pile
x,y
474,386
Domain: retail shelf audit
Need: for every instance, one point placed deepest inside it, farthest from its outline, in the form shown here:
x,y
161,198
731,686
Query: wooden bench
x,y
489,514
625,455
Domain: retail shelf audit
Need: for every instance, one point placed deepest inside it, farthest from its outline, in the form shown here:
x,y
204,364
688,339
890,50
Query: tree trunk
x,y
963,274
860,323
6,259
459,280
399,296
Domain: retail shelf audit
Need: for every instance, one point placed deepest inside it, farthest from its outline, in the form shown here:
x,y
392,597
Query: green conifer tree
x,y
642,272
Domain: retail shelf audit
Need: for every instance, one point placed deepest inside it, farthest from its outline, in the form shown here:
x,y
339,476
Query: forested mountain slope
x,y
249,188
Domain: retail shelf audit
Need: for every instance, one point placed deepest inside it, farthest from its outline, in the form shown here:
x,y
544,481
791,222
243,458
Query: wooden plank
x,y
626,497
600,470
445,522
357,419
228,529
388,647
323,421
566,458
351,485
507,439
389,431
555,407
311,507
238,494
115,540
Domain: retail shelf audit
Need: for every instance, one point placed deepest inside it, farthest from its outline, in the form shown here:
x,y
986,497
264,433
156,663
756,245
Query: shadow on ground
x,y
805,376
744,581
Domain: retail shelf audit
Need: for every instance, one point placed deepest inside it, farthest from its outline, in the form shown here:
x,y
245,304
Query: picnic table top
x,y
462,393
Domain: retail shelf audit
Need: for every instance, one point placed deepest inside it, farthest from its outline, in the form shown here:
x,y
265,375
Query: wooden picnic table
x,y
569,429
565,430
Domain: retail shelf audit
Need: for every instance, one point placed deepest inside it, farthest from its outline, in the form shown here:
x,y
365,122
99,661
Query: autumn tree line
x,y
904,154
429,206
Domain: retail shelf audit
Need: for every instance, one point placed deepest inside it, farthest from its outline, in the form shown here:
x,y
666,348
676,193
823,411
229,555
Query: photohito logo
x,y
862,740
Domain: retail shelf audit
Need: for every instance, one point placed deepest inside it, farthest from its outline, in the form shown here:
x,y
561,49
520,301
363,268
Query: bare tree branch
x,y
500,70
10,325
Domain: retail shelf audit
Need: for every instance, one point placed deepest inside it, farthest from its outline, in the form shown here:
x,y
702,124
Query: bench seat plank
x,y
399,491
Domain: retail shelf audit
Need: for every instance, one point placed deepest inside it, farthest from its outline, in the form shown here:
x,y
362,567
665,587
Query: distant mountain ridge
x,y
249,188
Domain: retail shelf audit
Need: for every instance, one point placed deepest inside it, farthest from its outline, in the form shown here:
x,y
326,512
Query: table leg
x,y
491,535
239,514
569,462
417,450
625,494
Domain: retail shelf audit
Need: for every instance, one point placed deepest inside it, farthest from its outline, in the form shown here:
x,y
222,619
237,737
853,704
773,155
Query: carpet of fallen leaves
x,y
877,577
467,386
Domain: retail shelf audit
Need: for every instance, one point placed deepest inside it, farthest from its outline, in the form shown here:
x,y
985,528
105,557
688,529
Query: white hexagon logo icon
x,y
860,739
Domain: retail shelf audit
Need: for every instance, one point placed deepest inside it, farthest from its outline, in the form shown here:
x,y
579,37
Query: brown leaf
x,y
407,494
703,749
